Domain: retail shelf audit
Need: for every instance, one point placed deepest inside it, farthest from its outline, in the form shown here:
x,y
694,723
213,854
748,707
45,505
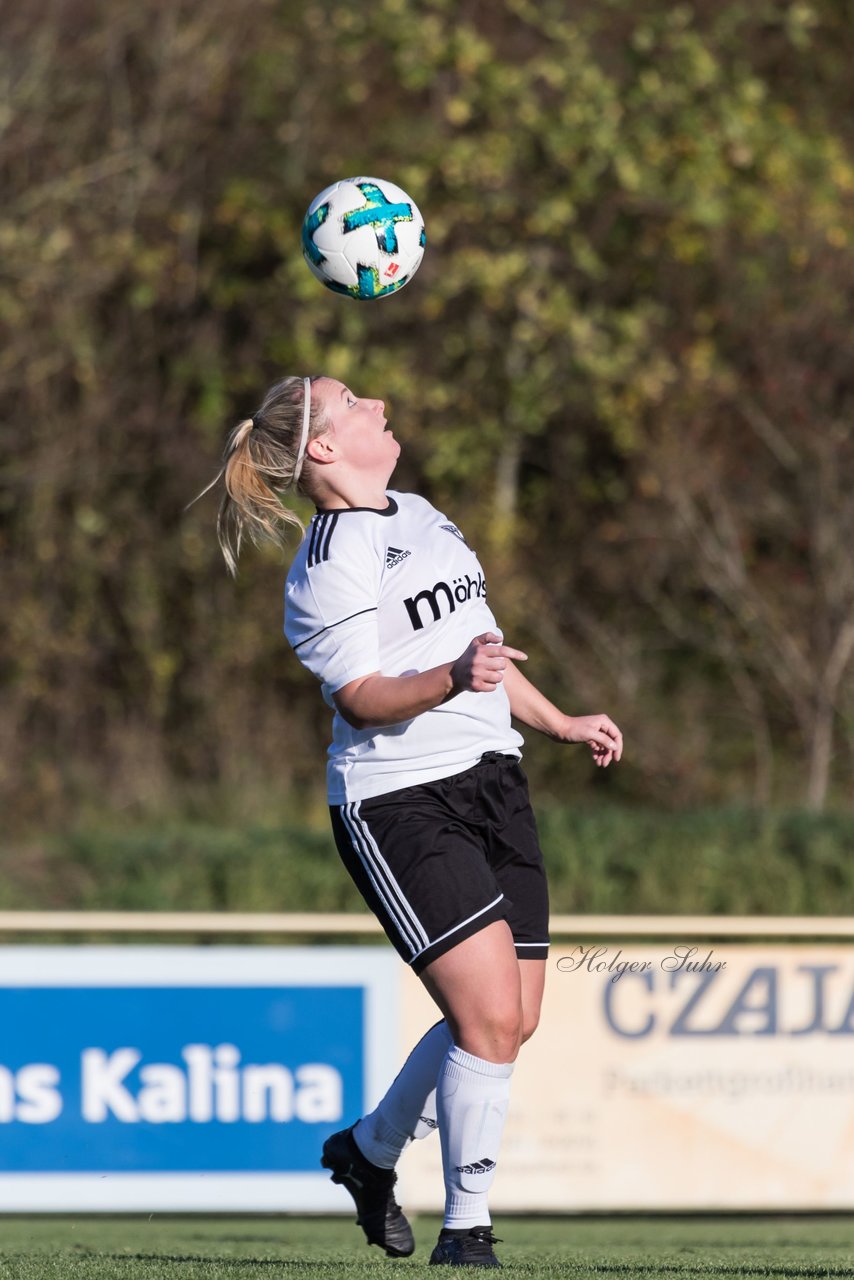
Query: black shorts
x,y
438,862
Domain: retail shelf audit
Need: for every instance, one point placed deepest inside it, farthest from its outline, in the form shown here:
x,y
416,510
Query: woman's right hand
x,y
481,668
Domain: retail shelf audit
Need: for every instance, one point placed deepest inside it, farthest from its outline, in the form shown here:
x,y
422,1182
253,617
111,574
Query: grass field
x,y
210,1248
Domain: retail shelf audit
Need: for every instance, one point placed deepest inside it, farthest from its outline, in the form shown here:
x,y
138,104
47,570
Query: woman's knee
x,y
493,1033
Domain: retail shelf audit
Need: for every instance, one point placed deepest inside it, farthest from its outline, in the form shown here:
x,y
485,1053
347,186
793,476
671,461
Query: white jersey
x,y
396,591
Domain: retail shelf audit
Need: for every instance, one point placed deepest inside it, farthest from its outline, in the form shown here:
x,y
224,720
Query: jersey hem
x,y
337,795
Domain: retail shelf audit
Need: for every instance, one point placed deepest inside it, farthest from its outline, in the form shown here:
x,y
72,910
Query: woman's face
x,y
358,427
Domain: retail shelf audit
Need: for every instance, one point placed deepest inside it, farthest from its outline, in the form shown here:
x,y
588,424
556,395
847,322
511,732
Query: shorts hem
x,y
532,950
467,929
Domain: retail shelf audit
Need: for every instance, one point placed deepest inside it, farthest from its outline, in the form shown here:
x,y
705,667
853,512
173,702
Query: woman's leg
x,y
408,1109
533,978
490,998
410,1106
478,986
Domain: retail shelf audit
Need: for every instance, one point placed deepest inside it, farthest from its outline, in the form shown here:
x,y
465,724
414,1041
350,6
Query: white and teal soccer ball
x,y
363,237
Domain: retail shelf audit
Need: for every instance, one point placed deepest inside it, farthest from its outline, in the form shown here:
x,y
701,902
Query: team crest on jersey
x,y
394,555
452,528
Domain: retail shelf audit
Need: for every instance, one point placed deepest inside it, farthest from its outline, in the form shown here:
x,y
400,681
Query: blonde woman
x,y
386,605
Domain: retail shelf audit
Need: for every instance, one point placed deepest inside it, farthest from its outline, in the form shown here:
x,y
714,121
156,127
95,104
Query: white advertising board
x,y
655,1085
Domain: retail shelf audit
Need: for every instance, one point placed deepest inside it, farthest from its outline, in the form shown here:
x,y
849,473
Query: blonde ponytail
x,y
264,458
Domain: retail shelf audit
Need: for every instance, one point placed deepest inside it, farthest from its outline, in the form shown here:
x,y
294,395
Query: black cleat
x,y
473,1249
379,1215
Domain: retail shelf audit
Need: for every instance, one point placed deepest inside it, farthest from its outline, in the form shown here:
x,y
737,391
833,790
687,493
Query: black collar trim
x,y
390,510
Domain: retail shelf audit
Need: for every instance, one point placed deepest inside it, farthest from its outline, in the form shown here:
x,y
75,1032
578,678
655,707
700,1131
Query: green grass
x,y
225,1248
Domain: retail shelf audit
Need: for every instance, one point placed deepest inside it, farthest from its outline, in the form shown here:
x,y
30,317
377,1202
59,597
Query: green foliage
x,y
183,867
624,368
706,863
599,861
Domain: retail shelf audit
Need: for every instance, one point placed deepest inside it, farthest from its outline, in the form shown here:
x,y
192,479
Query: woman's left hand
x,y
599,733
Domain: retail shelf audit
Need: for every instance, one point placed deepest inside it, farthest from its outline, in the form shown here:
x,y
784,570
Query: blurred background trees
x,y
624,369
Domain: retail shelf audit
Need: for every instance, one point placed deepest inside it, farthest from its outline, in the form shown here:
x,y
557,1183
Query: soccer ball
x,y
363,237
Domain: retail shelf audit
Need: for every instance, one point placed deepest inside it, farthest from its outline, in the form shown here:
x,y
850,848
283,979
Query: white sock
x,y
472,1097
408,1109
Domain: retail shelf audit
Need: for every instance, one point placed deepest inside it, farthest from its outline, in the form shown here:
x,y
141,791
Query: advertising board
x,y
207,1078
666,1078
176,1078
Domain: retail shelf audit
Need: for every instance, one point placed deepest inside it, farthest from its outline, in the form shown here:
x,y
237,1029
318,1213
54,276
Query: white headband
x,y
303,440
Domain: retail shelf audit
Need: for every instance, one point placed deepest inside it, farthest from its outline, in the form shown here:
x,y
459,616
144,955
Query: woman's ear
x,y
322,448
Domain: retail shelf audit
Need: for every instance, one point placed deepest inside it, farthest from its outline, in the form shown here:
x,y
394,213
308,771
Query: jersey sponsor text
x,y
460,592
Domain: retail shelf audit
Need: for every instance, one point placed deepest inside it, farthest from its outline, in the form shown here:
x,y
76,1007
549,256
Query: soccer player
x,y
386,605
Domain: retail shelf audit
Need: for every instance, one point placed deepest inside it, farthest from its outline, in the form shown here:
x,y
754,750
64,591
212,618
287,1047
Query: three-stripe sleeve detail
x,y
322,530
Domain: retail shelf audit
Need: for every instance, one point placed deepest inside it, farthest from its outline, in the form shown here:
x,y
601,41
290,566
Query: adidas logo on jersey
x,y
394,555
480,1166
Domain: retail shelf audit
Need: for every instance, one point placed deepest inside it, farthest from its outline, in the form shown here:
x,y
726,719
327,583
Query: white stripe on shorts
x,y
379,873
461,925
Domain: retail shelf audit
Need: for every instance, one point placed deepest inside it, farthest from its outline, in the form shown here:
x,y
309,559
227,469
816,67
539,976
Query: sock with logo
x,y
408,1109
472,1097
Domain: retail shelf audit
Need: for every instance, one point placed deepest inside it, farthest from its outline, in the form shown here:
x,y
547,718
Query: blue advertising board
x,y
186,1078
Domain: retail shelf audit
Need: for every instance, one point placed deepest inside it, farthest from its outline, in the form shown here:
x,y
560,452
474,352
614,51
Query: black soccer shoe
x,y
379,1215
474,1249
